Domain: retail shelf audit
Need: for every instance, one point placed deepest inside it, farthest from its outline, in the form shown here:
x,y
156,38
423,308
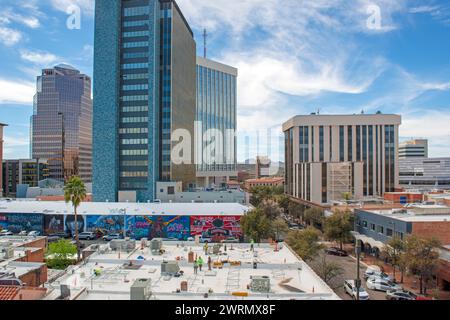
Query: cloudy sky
x,y
294,57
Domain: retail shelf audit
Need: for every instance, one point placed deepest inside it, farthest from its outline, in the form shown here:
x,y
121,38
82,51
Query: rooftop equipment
x,y
260,284
141,289
170,268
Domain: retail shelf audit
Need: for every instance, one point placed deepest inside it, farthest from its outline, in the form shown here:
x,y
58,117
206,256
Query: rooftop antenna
x,y
205,36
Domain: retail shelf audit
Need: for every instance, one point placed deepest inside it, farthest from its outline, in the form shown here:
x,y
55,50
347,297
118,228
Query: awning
x,y
371,241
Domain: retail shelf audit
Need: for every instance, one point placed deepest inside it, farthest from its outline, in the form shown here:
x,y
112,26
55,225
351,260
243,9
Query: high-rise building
x,y
332,157
425,174
144,98
216,122
61,124
2,125
417,148
23,172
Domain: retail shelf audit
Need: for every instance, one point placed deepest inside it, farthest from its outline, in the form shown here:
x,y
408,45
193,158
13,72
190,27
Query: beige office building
x,y
416,148
329,156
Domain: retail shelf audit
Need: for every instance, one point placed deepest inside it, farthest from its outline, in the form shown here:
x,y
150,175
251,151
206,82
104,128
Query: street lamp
x,y
358,257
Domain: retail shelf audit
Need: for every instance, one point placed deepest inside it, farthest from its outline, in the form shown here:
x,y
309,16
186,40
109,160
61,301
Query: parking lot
x,y
348,264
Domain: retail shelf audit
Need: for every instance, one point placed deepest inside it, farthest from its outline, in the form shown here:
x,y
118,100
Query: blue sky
x,y
294,57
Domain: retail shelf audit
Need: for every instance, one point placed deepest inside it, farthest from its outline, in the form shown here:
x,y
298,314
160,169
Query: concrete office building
x,y
215,118
25,172
417,148
144,90
424,174
329,156
2,125
61,124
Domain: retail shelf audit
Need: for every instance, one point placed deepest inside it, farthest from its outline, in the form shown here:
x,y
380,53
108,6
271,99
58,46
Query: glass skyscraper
x,y
61,124
216,117
144,91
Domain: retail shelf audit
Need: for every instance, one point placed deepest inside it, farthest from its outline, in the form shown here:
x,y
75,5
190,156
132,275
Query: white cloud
x,y
39,57
423,9
9,37
86,6
16,92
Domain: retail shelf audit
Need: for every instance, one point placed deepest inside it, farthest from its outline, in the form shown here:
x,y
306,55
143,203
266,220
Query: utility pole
x,y
205,36
358,258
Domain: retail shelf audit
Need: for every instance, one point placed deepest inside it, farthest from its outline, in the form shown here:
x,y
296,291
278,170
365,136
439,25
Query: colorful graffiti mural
x,y
216,227
104,224
53,224
69,224
150,227
17,222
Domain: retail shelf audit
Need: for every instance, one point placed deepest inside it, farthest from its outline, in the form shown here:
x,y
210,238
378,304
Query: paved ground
x,y
348,264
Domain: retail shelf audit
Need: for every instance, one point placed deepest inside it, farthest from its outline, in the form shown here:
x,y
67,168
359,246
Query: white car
x,y
34,233
350,289
375,271
5,233
374,283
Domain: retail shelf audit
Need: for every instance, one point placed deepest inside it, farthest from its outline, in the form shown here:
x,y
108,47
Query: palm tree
x,y
75,192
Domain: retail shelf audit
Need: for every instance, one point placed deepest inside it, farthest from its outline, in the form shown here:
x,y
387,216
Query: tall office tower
x,y
216,122
61,124
417,148
144,98
2,125
330,157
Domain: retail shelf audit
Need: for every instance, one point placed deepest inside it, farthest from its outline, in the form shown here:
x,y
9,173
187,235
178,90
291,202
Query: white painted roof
x,y
109,208
412,217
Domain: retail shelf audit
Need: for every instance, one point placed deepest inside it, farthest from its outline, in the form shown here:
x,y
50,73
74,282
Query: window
x,y
372,226
137,44
136,11
135,65
170,190
389,232
380,229
135,34
365,224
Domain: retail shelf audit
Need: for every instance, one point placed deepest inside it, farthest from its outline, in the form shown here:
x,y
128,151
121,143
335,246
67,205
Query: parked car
x,y
205,240
22,233
336,252
62,235
400,295
374,283
34,234
87,236
350,289
51,239
5,233
375,271
231,240
190,239
113,236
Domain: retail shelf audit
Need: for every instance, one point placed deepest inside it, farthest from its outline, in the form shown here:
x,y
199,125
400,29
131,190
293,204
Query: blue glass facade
x,y
133,95
216,109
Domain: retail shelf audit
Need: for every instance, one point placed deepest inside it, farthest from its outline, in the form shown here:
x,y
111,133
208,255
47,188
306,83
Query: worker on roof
x,y
200,263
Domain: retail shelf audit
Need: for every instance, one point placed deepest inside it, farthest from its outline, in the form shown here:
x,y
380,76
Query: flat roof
x,y
342,119
117,208
411,216
290,278
211,64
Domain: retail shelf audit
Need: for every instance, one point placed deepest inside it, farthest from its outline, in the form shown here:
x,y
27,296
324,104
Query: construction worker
x,y
209,263
252,245
205,248
200,263
195,267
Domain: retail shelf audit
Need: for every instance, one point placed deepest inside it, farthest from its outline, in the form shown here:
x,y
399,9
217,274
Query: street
x,y
348,264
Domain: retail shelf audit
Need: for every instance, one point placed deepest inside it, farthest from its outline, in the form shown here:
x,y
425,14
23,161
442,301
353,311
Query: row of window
x,y
133,130
134,119
135,163
135,65
133,87
133,55
136,11
134,141
138,44
135,76
128,174
135,98
135,33
380,229
138,152
135,109
139,23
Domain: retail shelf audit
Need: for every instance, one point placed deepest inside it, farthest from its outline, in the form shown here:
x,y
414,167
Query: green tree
x,y
271,209
75,193
279,226
296,210
393,252
305,242
256,225
338,226
59,254
261,193
283,201
422,258
314,217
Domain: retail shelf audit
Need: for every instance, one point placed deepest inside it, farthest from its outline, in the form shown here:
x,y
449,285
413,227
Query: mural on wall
x,y
69,224
150,227
53,224
104,224
216,227
17,222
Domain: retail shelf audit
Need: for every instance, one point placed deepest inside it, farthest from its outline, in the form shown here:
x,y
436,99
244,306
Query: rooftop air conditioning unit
x,y
141,290
170,268
260,284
